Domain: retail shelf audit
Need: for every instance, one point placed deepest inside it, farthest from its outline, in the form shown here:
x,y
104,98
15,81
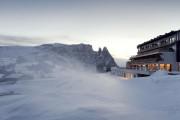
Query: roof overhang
x,y
144,55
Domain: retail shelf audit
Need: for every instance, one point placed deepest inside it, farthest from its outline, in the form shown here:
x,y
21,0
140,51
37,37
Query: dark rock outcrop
x,y
102,59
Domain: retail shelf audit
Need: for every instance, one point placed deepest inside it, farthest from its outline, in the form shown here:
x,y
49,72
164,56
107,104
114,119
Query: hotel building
x,y
160,53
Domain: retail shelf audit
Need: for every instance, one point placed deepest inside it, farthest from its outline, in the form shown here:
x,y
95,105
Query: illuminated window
x,y
168,67
152,67
173,39
161,66
165,67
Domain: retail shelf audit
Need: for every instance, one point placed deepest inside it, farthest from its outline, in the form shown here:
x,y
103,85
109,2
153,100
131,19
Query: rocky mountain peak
x,y
104,60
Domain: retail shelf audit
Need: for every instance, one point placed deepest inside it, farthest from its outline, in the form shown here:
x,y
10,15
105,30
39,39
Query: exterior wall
x,y
169,58
178,36
178,51
178,54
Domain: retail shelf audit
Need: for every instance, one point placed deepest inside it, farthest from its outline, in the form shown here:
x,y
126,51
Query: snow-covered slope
x,y
60,88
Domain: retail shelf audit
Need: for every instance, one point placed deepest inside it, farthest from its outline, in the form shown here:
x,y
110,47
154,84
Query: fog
x,y
52,87
41,85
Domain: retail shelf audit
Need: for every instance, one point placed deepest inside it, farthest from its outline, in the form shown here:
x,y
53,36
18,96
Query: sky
x,y
120,25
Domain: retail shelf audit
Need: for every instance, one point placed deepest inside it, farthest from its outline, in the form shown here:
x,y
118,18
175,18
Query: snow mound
x,y
160,73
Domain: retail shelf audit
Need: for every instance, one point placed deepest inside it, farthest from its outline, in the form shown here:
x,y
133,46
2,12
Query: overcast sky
x,y
118,24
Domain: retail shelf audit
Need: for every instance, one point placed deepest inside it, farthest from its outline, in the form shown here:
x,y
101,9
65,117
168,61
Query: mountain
x,y
30,62
83,53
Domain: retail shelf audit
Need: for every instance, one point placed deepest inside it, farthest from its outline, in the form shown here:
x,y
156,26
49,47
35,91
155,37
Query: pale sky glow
x,y
118,24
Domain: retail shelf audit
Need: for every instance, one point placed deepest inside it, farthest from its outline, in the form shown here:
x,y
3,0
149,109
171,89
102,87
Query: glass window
x,y
165,67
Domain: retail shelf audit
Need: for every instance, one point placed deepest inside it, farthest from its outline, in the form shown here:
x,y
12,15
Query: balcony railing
x,y
155,47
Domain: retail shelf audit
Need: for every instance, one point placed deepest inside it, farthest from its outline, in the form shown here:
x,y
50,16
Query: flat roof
x,y
159,37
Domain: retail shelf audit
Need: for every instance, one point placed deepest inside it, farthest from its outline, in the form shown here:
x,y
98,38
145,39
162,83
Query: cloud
x,y
68,39
20,40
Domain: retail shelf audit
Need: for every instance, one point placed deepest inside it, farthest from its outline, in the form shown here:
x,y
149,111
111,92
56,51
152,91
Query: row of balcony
x,y
155,45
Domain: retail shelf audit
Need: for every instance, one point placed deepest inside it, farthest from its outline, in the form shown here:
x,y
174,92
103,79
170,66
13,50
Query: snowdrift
x,y
60,88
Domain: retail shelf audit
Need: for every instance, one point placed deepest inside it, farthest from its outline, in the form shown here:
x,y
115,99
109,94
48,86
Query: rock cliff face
x,y
102,59
82,52
27,62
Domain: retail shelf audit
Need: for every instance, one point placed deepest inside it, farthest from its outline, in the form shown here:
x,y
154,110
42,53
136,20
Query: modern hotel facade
x,y
160,53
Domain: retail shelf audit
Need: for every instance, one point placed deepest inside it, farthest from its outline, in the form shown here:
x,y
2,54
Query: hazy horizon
x,y
120,25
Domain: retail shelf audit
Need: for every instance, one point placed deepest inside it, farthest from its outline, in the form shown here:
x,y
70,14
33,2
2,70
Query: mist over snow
x,y
121,62
41,84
